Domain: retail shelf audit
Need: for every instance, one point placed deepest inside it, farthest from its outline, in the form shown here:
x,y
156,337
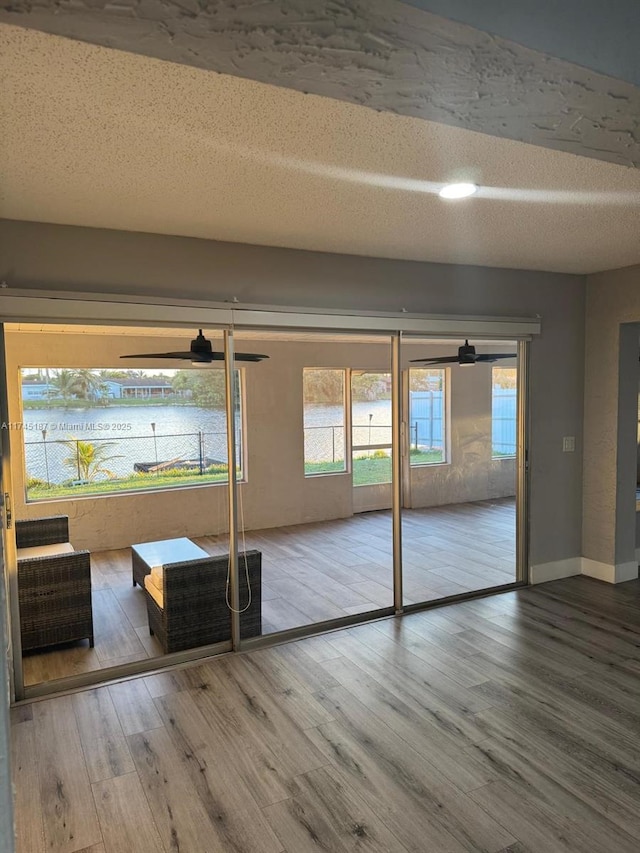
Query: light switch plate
x,y
568,444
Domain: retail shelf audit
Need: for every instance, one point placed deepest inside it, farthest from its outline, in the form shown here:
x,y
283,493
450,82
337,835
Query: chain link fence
x,y
324,444
367,434
75,461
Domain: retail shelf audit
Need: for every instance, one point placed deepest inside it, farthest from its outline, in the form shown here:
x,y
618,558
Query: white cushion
x,y
45,550
154,592
156,576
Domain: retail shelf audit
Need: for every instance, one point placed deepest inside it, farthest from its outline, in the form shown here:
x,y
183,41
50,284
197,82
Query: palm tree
x,y
81,383
87,459
64,383
88,384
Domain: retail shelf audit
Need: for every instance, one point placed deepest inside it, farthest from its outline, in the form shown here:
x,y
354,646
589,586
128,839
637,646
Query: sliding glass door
x,y
370,475
119,498
11,614
460,468
318,435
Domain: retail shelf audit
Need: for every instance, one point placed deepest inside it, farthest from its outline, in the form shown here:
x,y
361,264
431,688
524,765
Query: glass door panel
x,y
130,456
427,422
322,560
371,440
460,469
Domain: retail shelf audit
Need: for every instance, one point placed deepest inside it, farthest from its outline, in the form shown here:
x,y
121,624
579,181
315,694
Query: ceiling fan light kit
x,y
466,355
200,352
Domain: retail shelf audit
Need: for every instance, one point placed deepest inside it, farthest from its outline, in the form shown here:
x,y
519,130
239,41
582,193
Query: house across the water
x,y
36,388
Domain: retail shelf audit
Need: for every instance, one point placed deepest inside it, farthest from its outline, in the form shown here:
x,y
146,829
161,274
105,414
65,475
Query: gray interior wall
x,y
613,299
276,493
627,443
80,260
83,260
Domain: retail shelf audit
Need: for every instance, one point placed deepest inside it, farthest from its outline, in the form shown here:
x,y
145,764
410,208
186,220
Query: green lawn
x,y
126,484
365,471
311,468
427,457
368,471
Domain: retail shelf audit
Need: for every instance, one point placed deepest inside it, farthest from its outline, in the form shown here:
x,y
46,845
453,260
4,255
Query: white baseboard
x,y
610,573
555,571
583,566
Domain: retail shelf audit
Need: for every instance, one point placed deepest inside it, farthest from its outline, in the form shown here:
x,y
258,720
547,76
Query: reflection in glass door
x,y
131,459
371,447
323,560
460,469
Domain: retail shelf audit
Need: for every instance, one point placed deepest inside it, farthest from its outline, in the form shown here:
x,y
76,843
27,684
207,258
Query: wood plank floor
x,y
310,573
508,723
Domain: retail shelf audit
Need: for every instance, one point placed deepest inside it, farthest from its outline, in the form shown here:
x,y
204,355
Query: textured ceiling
x,y
390,56
102,138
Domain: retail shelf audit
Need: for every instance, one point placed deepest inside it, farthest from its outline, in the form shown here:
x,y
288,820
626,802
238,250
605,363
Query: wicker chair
x,y
54,590
195,611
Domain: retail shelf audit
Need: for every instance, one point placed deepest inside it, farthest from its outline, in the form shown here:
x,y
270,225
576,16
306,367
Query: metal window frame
x,y
9,557
493,369
19,305
446,431
346,469
523,464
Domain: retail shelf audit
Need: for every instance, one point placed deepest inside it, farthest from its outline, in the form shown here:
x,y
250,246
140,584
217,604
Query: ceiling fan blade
x,y
200,353
494,356
187,354
448,359
249,356
196,358
207,358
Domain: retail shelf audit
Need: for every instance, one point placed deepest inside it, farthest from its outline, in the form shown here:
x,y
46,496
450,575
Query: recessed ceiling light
x,y
457,190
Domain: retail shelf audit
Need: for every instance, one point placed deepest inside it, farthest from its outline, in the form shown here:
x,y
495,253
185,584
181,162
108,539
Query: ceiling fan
x,y
200,352
466,355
